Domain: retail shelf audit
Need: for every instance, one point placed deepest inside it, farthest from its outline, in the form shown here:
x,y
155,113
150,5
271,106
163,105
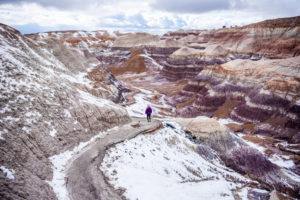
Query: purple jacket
x,y
148,111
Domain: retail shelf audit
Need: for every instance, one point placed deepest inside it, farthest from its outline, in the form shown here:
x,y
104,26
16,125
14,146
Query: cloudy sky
x,y
156,16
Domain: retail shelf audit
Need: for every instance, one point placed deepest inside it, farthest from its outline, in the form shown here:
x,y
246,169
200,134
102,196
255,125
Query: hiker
x,y
148,113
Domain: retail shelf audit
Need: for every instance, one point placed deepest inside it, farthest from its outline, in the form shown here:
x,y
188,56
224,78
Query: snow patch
x,y
9,172
281,162
53,132
67,113
10,119
165,165
291,175
33,114
244,194
43,35
227,121
4,131
60,162
152,61
26,129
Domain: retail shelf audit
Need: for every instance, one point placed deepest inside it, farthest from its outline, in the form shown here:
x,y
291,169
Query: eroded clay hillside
x,y
52,98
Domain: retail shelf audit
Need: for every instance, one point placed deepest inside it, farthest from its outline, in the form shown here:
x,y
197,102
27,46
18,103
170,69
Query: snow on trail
x,y
60,164
165,165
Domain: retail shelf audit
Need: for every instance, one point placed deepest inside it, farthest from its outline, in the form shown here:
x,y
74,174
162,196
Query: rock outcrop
x,y
47,106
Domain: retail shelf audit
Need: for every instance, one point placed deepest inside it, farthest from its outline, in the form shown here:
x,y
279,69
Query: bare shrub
x,y
249,161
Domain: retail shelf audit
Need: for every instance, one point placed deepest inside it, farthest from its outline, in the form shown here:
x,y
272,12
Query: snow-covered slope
x,y
48,104
167,165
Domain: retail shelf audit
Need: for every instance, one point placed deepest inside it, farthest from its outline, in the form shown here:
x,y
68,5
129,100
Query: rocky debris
x,y
44,111
249,161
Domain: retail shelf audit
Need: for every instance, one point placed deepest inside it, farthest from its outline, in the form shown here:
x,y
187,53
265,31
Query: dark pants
x,y
149,117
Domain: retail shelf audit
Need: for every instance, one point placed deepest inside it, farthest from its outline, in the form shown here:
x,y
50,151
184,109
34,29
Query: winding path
x,y
85,180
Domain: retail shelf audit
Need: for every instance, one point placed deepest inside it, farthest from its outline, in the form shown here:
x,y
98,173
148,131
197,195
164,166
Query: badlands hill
x,y
63,89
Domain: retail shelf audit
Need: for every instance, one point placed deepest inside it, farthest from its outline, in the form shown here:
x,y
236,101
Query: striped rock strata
x,y
265,93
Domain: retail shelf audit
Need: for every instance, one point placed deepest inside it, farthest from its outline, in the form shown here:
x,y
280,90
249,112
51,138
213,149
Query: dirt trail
x,y
85,180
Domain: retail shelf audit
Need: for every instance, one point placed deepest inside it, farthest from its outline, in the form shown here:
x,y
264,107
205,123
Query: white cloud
x,y
191,6
133,15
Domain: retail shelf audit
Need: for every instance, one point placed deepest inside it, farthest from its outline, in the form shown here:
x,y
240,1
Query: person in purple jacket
x,y
148,113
